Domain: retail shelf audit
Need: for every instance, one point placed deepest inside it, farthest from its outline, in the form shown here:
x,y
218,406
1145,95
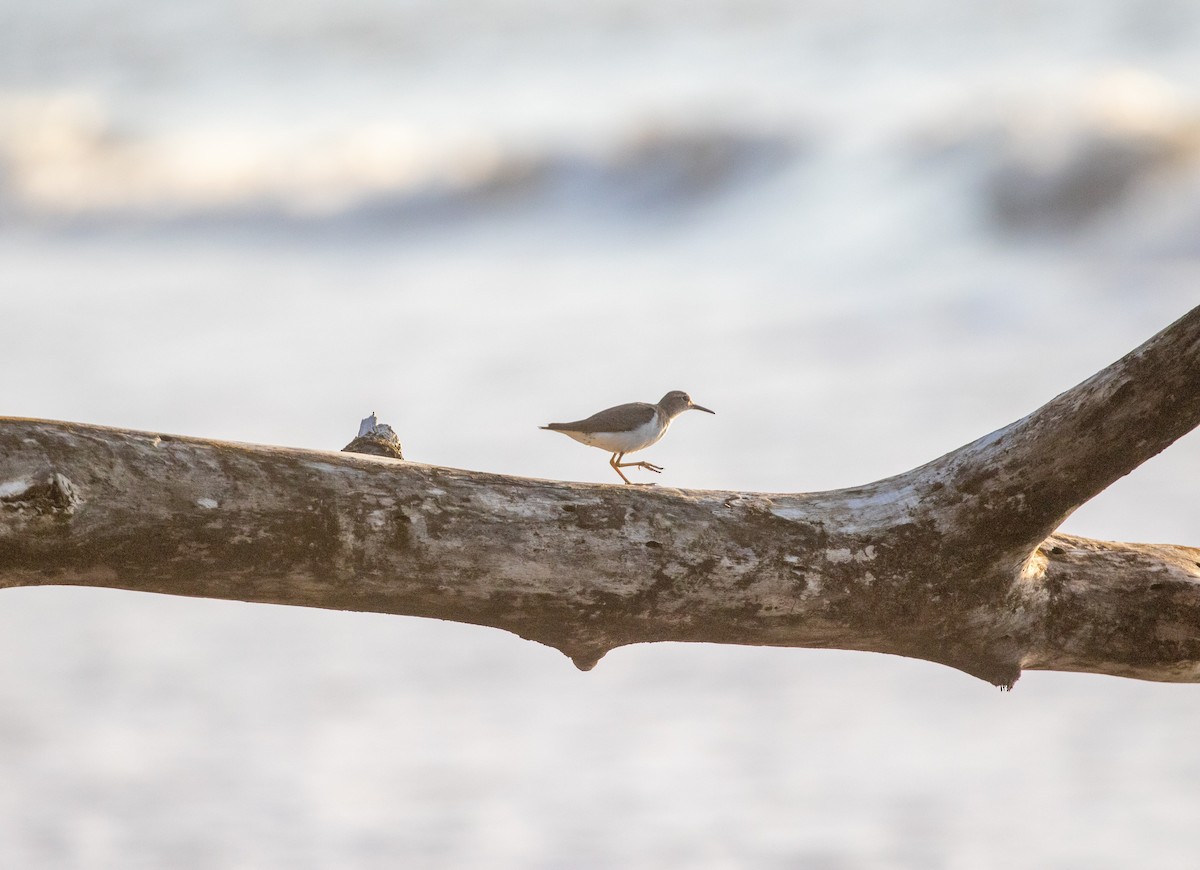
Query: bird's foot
x,y
657,469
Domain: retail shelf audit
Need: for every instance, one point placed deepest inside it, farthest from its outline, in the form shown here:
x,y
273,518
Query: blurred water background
x,y
865,233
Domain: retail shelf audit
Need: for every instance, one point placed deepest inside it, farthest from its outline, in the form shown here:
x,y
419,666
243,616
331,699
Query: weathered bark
x,y
949,562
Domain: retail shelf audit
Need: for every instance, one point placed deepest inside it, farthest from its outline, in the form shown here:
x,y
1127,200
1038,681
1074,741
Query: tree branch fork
x,y
956,562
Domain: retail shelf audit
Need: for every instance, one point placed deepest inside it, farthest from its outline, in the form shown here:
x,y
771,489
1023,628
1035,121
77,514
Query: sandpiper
x,y
630,427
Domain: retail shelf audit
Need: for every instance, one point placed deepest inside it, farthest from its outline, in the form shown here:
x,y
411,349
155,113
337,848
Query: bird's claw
x,y
657,469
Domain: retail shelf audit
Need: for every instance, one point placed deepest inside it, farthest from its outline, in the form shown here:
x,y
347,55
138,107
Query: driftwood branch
x,y
953,562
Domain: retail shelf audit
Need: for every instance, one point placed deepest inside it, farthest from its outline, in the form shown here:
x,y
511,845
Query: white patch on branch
x,y
526,508
843,555
326,467
12,488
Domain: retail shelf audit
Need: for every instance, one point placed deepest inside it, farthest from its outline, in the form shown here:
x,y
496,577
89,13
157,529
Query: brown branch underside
x,y
949,562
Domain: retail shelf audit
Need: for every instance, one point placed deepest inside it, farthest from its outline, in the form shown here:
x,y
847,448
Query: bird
x,y
626,428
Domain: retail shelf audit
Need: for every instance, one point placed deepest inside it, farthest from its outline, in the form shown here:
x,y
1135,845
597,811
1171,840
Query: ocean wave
x,y
1091,175
1066,162
63,162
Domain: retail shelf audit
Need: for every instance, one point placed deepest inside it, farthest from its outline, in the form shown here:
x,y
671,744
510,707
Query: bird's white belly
x,y
623,442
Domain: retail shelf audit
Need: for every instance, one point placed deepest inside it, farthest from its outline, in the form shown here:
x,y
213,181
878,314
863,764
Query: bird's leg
x,y
613,461
657,469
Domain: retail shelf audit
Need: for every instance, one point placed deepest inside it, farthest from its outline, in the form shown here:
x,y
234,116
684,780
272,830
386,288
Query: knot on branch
x,y
376,439
47,493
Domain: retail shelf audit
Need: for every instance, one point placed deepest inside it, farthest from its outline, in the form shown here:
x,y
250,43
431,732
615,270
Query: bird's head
x,y
677,401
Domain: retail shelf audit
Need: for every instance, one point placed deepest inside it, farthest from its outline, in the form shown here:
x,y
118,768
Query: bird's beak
x,y
696,407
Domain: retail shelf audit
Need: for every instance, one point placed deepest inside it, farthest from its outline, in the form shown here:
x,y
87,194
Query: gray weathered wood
x,y
953,562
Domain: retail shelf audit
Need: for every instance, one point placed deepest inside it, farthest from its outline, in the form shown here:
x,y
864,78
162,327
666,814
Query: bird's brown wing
x,y
621,418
